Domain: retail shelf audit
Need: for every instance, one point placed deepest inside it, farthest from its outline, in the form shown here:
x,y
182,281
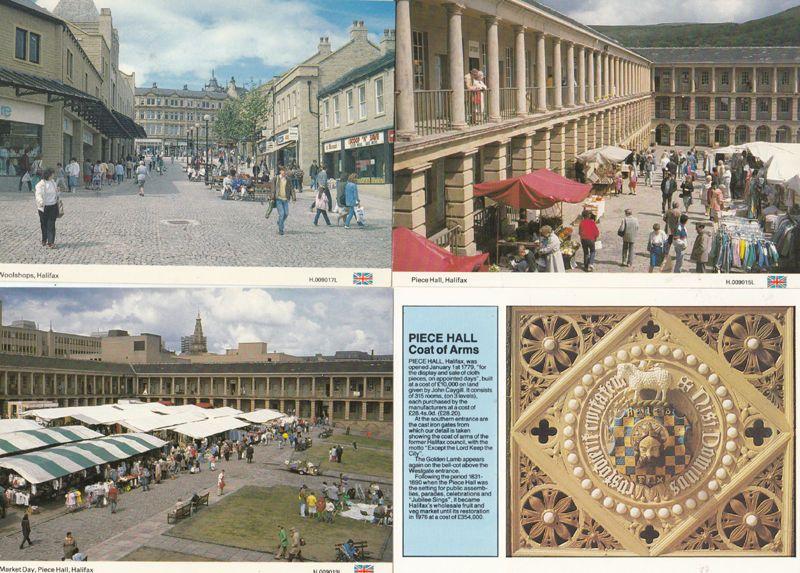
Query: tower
x,y
77,10
196,342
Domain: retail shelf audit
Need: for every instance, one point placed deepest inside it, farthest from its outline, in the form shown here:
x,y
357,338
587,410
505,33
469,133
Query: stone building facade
x,y
174,118
62,94
725,96
24,337
555,88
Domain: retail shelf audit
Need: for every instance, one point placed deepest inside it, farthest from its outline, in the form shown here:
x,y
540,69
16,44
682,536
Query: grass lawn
x,y
373,457
152,554
249,519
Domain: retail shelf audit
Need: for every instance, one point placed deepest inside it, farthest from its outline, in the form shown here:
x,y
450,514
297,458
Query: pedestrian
x,y
250,452
633,179
701,250
668,188
321,205
221,482
283,543
26,530
2,502
145,478
301,496
716,202
61,178
589,233
47,204
113,495
73,173
339,452
671,220
550,258
351,200
680,243
687,190
282,191
119,171
321,508
322,183
313,171
655,246
628,231
705,194
70,547
295,551
141,177
311,505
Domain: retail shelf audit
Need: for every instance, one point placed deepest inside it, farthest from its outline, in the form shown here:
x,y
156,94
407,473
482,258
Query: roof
x,y
77,10
376,66
28,440
32,7
60,461
205,428
181,93
94,415
16,425
150,421
47,363
728,55
265,368
261,416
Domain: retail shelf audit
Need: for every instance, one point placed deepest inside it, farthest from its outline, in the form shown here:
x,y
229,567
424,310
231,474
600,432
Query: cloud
x,y
295,321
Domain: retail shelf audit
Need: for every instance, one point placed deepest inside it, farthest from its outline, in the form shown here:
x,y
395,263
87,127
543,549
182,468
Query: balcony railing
x,y
722,114
432,111
702,114
763,116
446,238
662,114
784,115
508,103
477,112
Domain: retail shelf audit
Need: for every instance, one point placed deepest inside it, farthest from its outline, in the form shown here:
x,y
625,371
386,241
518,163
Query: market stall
x,y
261,416
541,189
415,253
17,424
153,422
601,166
29,440
211,427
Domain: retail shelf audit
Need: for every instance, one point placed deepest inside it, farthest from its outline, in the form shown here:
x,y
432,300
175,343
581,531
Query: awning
x,y
414,253
206,428
130,125
60,461
538,190
607,155
94,415
27,440
90,108
782,159
221,412
16,425
152,422
261,416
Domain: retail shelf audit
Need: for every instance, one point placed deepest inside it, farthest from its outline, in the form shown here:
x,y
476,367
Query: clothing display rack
x,y
741,244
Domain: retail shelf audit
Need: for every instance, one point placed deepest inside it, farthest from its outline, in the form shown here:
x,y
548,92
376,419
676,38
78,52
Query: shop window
x,y
380,107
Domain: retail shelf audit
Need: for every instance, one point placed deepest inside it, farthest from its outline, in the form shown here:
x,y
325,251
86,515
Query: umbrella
x,y
415,253
538,190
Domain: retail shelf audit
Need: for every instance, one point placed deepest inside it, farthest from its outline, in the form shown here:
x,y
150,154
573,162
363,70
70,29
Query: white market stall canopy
x,y
152,422
212,427
605,155
94,415
16,425
221,412
27,440
60,461
782,159
261,416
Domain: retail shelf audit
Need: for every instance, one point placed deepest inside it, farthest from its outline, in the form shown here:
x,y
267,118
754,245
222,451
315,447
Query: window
x,y
380,108
763,105
783,105
724,78
70,64
362,101
419,49
784,77
21,47
764,78
336,116
509,67
350,106
704,78
326,105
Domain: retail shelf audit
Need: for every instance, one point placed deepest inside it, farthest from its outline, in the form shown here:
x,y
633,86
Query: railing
x,y
446,238
551,97
681,114
477,110
784,115
432,111
702,114
531,95
508,103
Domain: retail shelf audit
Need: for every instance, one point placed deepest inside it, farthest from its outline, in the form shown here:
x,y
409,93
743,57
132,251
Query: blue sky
x,y
179,42
296,321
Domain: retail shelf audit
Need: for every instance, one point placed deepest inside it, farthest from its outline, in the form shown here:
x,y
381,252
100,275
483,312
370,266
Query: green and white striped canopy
x,y
27,440
59,461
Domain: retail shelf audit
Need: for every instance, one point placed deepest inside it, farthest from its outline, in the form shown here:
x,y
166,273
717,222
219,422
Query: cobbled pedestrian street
x,y
181,223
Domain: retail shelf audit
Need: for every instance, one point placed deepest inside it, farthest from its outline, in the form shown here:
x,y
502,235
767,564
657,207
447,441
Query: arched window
x,y
701,135
722,135
682,135
742,135
783,134
762,133
662,135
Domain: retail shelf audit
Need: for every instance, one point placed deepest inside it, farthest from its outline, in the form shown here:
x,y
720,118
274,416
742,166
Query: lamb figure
x,y
657,378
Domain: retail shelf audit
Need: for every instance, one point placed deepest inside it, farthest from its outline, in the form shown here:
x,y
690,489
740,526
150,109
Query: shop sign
x,y
332,147
291,134
269,147
364,140
88,137
67,126
21,111
474,49
390,138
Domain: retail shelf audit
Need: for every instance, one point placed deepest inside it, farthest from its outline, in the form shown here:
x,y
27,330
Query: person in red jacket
x,y
589,234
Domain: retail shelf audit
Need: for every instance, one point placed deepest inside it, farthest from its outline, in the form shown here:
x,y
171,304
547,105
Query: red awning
x,y
166,402
206,405
538,190
415,253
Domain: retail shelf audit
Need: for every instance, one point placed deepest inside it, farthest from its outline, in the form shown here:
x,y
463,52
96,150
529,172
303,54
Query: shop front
x,y
21,125
332,158
89,138
287,146
369,156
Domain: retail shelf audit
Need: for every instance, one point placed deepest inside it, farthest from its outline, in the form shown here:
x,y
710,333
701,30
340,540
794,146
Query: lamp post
x,y
196,136
207,118
189,149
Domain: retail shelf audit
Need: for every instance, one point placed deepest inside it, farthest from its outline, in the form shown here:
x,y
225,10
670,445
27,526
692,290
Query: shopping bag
x,y
270,207
361,215
60,209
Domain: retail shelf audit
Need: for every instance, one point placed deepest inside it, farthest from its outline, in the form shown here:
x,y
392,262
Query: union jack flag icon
x,y
363,279
359,568
776,281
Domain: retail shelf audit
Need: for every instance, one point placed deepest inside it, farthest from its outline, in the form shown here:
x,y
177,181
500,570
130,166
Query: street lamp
x,y
196,137
207,118
191,146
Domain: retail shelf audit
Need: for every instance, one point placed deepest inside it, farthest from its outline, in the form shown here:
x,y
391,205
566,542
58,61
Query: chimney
x,y
324,46
358,31
388,41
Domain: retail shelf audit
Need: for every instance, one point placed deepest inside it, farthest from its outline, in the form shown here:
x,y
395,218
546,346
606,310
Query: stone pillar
x,y
570,147
581,75
591,132
409,205
404,74
733,110
458,190
713,80
733,80
591,81
558,91
541,149
582,138
521,78
495,161
674,79
557,149
755,79
455,52
493,55
606,76
598,75
541,73
521,155
775,80
606,128
570,74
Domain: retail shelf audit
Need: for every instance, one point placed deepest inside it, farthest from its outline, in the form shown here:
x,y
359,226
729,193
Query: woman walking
x,y
351,200
321,205
141,176
633,179
589,234
680,243
283,190
687,189
47,199
655,246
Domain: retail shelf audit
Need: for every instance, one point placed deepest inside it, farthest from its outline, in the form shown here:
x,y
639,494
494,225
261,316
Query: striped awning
x,y
27,440
17,424
60,461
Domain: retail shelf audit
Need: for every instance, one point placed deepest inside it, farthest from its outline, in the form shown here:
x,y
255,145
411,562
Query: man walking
x,y
313,171
672,220
73,173
295,548
282,190
701,250
113,495
26,530
628,230
283,543
668,188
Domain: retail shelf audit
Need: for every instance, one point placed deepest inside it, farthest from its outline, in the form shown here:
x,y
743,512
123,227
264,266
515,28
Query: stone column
x,y
521,78
570,147
493,55
521,155
606,128
557,149
404,74
581,75
733,80
713,80
558,90
755,79
541,149
570,74
606,76
599,76
458,192
409,205
455,52
541,73
674,79
582,136
495,161
591,82
775,80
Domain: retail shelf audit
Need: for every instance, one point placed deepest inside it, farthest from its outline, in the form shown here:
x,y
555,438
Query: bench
x,y
361,553
179,513
203,500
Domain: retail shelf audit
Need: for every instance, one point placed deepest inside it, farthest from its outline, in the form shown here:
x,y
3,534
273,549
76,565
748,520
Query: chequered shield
x,y
673,452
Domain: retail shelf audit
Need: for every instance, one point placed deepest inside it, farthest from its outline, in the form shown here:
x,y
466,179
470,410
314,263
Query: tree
x,y
254,108
227,125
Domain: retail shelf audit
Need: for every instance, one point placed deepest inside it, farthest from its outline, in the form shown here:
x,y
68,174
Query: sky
x,y
631,12
295,321
178,42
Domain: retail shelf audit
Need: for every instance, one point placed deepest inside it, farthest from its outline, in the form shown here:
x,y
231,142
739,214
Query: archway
x,y
762,133
662,134
783,134
682,135
722,135
742,135
701,135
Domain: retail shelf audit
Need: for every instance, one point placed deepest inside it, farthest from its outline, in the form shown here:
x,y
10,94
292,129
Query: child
x,y
321,204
